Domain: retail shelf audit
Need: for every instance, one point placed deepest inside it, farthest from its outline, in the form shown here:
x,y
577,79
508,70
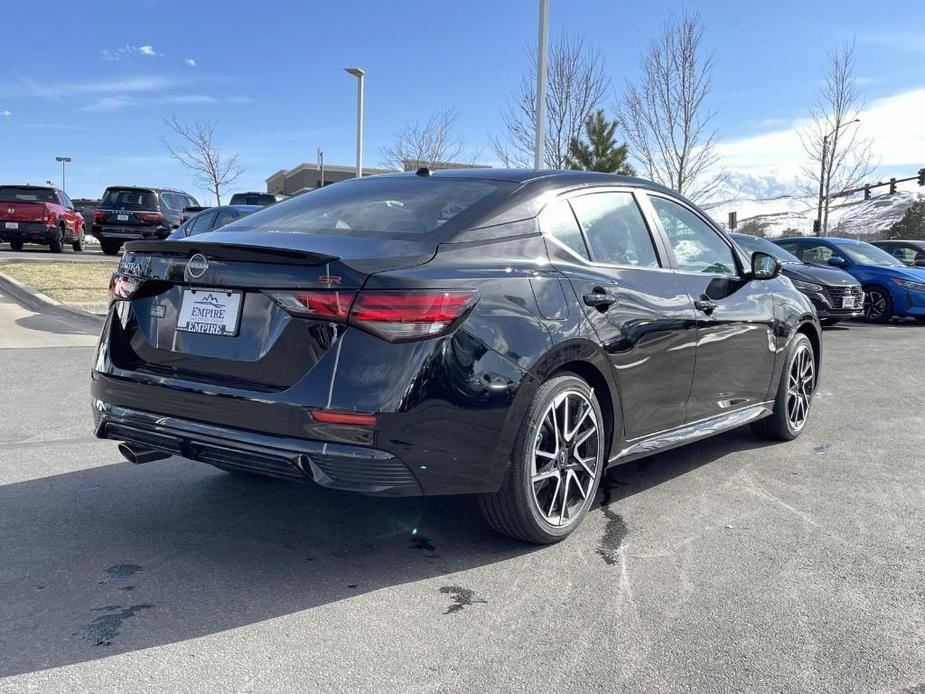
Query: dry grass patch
x,y
69,283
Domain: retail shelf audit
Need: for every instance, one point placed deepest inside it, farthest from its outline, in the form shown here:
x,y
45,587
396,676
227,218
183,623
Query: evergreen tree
x,y
912,225
600,152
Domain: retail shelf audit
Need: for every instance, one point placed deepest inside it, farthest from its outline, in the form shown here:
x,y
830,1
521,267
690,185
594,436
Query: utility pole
x,y
63,160
359,74
820,226
321,165
540,111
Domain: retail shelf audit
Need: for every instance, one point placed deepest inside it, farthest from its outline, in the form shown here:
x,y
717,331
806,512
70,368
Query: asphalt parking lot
x,y
729,565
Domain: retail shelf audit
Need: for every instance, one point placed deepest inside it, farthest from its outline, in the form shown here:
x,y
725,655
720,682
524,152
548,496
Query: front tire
x,y
110,247
794,394
556,465
878,305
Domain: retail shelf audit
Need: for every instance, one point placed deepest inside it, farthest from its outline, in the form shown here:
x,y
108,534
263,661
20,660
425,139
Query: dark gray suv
x,y
128,213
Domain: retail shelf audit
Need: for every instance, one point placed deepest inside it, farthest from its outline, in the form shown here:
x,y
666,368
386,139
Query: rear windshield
x,y
386,204
23,194
252,199
129,199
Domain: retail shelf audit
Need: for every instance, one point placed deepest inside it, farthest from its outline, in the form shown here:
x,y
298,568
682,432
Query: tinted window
x,y
225,216
865,254
173,201
129,199
24,194
558,221
615,230
252,199
412,205
200,223
696,246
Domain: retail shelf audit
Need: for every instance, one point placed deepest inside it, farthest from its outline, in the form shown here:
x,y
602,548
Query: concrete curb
x,y
40,303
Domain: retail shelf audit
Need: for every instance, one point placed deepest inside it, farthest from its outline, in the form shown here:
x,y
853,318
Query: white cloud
x,y
894,124
6,114
190,62
112,55
119,102
122,85
147,50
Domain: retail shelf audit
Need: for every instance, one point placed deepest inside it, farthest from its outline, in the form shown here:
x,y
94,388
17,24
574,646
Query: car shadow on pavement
x,y
118,558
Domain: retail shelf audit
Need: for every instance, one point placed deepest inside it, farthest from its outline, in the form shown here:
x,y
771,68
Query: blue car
x,y
891,288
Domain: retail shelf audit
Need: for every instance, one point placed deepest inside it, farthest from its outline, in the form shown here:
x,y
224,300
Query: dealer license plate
x,y
849,302
210,311
12,225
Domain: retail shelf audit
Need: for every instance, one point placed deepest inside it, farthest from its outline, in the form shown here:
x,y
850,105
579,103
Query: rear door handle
x,y
706,306
599,299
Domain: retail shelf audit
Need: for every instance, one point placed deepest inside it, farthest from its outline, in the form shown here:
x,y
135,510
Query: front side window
x,y
615,229
557,220
696,246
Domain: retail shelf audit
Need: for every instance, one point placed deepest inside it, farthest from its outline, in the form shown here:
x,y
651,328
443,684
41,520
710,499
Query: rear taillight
x,y
151,216
395,316
362,419
123,286
47,214
98,215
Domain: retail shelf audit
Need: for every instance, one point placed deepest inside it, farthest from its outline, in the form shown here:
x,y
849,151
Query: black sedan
x,y
212,218
504,333
910,252
836,295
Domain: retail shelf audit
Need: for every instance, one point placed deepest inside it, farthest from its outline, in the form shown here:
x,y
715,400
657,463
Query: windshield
x,y
23,194
379,204
865,254
129,199
753,244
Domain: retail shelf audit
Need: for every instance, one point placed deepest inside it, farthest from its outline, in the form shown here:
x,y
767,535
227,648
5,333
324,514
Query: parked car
x,y
212,218
891,289
39,214
262,199
835,294
505,333
129,212
191,210
910,252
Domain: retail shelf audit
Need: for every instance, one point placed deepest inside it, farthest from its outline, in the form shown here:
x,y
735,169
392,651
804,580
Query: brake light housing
x,y
393,315
123,287
151,216
98,215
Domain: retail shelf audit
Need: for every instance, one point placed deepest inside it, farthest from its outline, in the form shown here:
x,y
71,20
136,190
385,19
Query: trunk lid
x,y
18,211
265,347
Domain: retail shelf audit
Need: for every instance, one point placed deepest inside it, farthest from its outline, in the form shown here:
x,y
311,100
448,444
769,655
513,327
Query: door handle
x,y
706,306
599,299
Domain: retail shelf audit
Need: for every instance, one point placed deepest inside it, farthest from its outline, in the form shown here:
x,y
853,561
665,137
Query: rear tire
x,y
110,247
54,245
795,389
78,245
878,304
556,465
16,245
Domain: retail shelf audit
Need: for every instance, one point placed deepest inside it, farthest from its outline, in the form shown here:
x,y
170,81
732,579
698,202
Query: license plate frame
x,y
849,302
12,226
218,311
121,217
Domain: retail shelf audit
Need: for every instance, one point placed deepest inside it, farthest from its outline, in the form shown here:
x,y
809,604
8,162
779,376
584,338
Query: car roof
x,y
911,242
526,175
154,188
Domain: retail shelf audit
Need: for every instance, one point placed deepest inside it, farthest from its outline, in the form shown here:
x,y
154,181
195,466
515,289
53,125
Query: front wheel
x,y
878,305
794,394
556,465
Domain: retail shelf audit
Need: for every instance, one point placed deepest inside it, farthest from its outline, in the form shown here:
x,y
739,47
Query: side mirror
x,y
837,261
764,266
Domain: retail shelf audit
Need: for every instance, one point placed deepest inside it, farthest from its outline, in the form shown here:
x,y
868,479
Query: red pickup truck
x,y
39,214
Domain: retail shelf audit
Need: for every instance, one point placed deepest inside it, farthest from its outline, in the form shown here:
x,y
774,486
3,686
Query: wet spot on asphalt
x,y
823,448
119,572
615,530
462,598
103,630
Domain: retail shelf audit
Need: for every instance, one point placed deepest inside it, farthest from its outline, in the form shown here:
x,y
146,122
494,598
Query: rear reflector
x,y
336,417
123,286
392,315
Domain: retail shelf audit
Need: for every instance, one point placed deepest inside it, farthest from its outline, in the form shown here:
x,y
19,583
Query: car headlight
x,y
909,284
807,286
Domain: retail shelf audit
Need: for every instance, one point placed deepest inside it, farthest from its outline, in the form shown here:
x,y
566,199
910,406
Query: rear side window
x,y
23,194
558,221
410,205
615,229
225,217
129,199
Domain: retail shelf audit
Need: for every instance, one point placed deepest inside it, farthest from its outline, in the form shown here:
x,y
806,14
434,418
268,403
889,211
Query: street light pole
x,y
359,74
63,160
540,109
823,194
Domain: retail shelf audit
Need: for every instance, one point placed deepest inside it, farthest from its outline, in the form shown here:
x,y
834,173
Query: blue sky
x,y
271,75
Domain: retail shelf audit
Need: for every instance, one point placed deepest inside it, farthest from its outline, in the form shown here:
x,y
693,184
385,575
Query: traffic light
x,y
867,192
893,186
733,218
922,177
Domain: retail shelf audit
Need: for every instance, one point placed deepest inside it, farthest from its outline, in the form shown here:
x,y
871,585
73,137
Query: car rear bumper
x,y
333,465
129,233
28,232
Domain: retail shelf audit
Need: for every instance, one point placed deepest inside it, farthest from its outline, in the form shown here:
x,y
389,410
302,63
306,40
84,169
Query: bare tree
x,y
839,158
576,84
665,116
426,144
197,151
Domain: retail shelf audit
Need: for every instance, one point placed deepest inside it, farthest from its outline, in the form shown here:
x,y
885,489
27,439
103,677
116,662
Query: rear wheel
x,y
110,247
78,244
556,465
54,245
794,394
878,305
16,245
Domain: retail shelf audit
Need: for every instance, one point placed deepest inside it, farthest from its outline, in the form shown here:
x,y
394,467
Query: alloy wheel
x,y
565,459
875,305
800,384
